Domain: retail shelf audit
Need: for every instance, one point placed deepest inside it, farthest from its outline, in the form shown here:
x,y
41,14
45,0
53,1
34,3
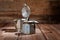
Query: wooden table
x,y
43,32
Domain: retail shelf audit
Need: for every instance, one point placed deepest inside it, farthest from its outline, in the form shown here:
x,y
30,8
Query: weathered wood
x,y
9,7
43,32
49,32
11,36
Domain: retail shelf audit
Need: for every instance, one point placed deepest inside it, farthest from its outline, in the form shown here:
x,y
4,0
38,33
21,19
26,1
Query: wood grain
x,y
43,32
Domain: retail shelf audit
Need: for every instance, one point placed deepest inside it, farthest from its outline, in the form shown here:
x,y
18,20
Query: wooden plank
x,y
40,36
48,32
1,36
11,36
55,31
43,32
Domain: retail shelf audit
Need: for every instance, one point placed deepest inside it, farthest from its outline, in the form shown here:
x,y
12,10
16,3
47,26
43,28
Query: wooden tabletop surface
x,y
43,32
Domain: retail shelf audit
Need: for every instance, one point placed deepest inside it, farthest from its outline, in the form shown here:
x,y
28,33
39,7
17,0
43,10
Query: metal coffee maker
x,y
25,25
28,27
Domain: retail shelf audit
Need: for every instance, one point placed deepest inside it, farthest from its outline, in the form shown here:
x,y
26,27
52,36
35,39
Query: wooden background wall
x,y
47,9
12,8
